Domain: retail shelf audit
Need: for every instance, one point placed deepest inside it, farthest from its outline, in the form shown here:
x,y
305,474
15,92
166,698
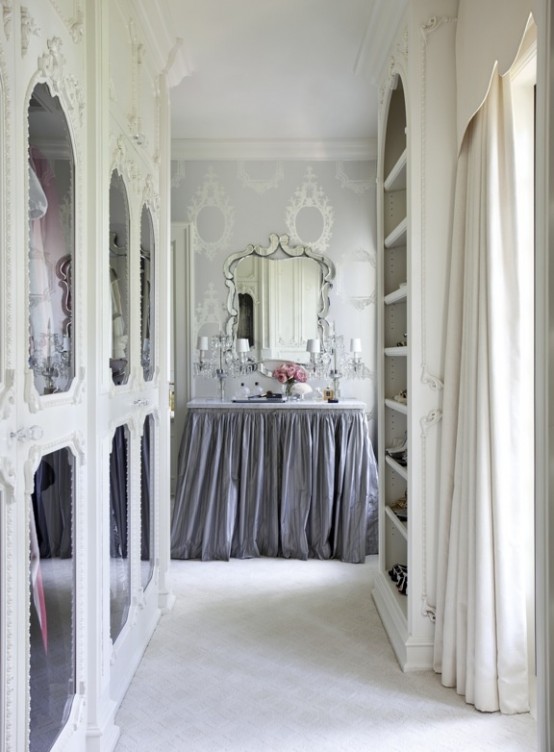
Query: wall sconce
x,y
222,358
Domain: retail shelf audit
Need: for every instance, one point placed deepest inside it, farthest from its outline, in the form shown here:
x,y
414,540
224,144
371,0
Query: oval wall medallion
x,y
310,197
219,217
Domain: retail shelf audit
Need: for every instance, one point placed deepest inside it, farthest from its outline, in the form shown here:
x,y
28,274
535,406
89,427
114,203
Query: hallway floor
x,y
274,655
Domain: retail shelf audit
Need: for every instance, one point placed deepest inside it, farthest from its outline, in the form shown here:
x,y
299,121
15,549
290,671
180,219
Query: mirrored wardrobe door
x,y
147,509
51,216
119,278
52,657
120,569
147,267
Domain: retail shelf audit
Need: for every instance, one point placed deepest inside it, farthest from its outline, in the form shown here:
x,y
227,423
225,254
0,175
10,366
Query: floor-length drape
x,y
486,482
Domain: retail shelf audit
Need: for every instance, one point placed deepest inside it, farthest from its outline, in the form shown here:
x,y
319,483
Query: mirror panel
x,y
147,517
278,298
120,568
119,279
147,266
52,601
51,213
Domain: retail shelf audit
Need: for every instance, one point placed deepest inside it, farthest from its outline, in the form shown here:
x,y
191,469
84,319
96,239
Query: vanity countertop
x,y
260,404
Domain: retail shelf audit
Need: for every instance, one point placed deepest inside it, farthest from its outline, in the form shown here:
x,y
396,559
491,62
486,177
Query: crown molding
x,y
166,48
289,150
372,56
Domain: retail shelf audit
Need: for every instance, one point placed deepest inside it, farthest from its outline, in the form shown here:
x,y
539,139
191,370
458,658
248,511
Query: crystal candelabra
x,y
328,360
223,357
50,359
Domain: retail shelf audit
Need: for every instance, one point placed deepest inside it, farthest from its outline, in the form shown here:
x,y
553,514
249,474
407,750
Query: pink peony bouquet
x,y
289,373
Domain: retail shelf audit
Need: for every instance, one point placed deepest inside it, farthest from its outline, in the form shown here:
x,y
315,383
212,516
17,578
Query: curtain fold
x,y
292,483
484,515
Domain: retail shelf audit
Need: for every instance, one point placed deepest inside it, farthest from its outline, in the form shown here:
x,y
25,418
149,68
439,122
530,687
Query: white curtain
x,y
485,517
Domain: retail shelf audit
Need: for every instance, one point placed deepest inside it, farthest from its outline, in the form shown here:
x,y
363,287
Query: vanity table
x,y
295,480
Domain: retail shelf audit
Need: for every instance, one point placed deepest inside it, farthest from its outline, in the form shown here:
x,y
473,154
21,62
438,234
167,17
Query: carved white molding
x,y
310,195
7,16
7,394
426,422
51,65
136,131
150,197
431,26
125,166
75,23
11,636
260,185
28,27
7,478
357,186
397,62
433,382
211,194
178,172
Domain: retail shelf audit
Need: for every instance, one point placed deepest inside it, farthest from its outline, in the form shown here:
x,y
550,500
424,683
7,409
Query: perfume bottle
x,y
328,393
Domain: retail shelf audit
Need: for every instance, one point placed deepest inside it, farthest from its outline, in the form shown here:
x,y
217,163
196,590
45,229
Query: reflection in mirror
x,y
278,298
147,258
147,503
51,213
120,569
52,602
119,278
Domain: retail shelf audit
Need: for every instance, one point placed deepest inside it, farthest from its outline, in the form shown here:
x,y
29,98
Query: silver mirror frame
x,y
279,248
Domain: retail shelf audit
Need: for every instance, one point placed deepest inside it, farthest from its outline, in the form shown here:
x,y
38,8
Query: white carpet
x,y
272,655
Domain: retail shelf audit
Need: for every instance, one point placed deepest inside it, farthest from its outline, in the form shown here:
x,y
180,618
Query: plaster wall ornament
x,y
7,395
137,57
432,25
357,186
178,172
123,164
432,418
7,16
260,185
356,278
211,310
28,27
310,195
51,65
149,195
7,265
211,194
74,22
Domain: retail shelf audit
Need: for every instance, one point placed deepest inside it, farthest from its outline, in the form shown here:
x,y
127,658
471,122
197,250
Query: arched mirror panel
x,y
52,598
51,216
119,279
120,567
147,509
147,267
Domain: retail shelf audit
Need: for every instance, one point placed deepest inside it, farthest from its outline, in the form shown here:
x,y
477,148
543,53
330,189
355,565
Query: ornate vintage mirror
x,y
278,298
120,562
147,266
52,602
147,501
51,213
119,279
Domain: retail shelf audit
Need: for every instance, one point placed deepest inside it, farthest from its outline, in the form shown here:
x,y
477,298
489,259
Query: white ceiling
x,y
300,74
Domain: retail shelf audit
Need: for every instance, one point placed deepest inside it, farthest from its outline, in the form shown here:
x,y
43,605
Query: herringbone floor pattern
x,y
272,655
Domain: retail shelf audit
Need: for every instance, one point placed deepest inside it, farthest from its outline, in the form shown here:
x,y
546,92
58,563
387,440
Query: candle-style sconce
x,y
329,360
222,357
50,360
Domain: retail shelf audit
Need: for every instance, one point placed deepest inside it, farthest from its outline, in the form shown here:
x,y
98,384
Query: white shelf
x,y
401,470
399,524
396,352
396,179
400,407
398,236
397,296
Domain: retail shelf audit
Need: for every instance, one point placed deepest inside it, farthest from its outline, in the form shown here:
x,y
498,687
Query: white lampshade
x,y
313,346
356,345
203,343
243,345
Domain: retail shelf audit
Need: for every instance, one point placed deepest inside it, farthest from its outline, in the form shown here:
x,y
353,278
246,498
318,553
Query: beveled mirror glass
x,y
120,561
119,279
51,215
278,298
147,266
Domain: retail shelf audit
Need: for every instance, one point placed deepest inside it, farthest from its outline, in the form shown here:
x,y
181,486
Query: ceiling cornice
x,y
166,48
371,57
288,150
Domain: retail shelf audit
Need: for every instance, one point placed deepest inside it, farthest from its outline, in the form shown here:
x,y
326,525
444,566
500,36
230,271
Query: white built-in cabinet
x,y
84,410
415,181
